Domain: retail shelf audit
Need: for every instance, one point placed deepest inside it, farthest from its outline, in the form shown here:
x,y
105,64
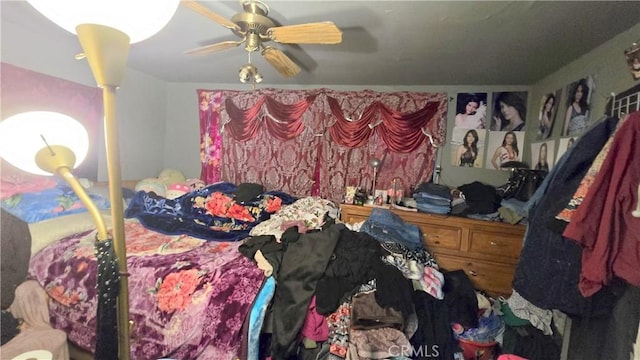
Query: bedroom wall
x,y
609,69
158,121
140,103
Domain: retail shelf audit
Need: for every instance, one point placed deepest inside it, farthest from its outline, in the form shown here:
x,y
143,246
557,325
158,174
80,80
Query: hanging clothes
x,y
603,223
548,272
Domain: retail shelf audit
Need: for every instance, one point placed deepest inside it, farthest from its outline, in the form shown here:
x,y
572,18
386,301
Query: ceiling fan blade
x,y
195,6
280,61
311,33
208,49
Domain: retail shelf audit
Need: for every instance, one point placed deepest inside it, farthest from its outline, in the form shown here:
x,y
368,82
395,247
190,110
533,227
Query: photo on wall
x,y
503,147
471,111
564,144
509,111
467,147
542,155
547,115
576,110
632,55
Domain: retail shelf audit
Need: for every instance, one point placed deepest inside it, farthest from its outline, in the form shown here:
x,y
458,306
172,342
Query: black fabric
x,y
9,326
461,299
523,183
531,343
351,265
610,335
303,264
15,253
480,198
393,289
433,336
108,289
548,271
248,191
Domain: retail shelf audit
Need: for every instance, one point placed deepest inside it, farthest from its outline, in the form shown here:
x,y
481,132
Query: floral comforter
x,y
210,213
188,297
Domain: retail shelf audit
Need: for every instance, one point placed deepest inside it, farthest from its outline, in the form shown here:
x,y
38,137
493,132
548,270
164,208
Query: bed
x,y
190,288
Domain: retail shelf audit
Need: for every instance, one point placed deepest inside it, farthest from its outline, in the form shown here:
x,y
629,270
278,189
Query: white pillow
x,y
51,230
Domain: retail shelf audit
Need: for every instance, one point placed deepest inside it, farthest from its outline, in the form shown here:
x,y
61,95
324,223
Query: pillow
x,y
171,176
152,185
61,200
51,230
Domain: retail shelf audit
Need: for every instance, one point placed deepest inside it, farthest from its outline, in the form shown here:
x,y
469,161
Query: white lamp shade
x,y
21,138
139,19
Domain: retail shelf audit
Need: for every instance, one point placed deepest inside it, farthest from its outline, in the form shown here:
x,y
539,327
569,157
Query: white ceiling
x,y
391,43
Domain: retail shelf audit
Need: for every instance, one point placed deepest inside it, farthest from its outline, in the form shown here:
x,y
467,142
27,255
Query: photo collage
x,y
489,132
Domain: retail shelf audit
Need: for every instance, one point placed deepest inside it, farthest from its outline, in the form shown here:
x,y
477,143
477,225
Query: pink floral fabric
x,y
188,297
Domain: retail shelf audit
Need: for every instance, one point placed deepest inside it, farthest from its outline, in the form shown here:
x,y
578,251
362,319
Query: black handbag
x,y
523,183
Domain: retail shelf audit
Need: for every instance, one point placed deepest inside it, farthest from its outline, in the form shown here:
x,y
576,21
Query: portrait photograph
x,y
547,114
503,147
471,111
467,147
576,113
564,144
542,155
509,111
632,55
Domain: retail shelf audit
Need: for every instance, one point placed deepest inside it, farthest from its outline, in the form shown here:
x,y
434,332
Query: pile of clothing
x,y
433,198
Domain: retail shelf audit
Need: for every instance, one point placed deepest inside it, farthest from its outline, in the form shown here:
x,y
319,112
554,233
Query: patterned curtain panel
x,y
270,137
210,137
25,90
402,129
317,142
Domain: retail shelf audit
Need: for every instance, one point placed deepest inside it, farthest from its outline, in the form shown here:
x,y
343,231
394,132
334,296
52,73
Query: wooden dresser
x,y
487,251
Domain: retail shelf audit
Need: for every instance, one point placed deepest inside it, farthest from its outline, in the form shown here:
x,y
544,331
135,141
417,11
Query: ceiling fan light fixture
x,y
255,28
249,73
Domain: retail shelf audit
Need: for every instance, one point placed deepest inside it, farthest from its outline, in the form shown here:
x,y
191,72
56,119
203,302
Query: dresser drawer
x,y
440,236
499,244
494,278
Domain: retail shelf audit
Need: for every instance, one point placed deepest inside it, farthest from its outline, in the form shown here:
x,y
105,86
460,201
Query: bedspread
x,y
188,297
210,213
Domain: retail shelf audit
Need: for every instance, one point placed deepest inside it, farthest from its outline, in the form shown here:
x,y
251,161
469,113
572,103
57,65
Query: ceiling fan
x,y
255,28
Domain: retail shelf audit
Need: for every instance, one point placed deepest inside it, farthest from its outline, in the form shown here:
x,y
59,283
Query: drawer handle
x,y
473,273
493,243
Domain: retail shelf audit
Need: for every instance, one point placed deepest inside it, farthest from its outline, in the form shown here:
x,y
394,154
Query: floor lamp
x,y
105,30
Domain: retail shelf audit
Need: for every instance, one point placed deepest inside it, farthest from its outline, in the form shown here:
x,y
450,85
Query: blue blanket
x,y
210,213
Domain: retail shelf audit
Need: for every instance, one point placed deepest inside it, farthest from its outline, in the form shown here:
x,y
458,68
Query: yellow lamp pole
x,y
106,50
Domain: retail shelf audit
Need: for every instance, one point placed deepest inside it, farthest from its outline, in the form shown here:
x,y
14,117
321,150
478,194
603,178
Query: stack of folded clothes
x,y
433,198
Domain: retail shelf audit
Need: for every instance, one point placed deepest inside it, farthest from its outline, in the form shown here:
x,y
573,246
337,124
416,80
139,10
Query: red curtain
x,y
269,137
317,142
391,127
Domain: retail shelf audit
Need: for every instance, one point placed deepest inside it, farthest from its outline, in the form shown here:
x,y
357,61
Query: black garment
x,y
15,253
303,264
531,343
549,268
248,191
480,198
461,298
9,326
610,335
434,336
107,314
351,266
